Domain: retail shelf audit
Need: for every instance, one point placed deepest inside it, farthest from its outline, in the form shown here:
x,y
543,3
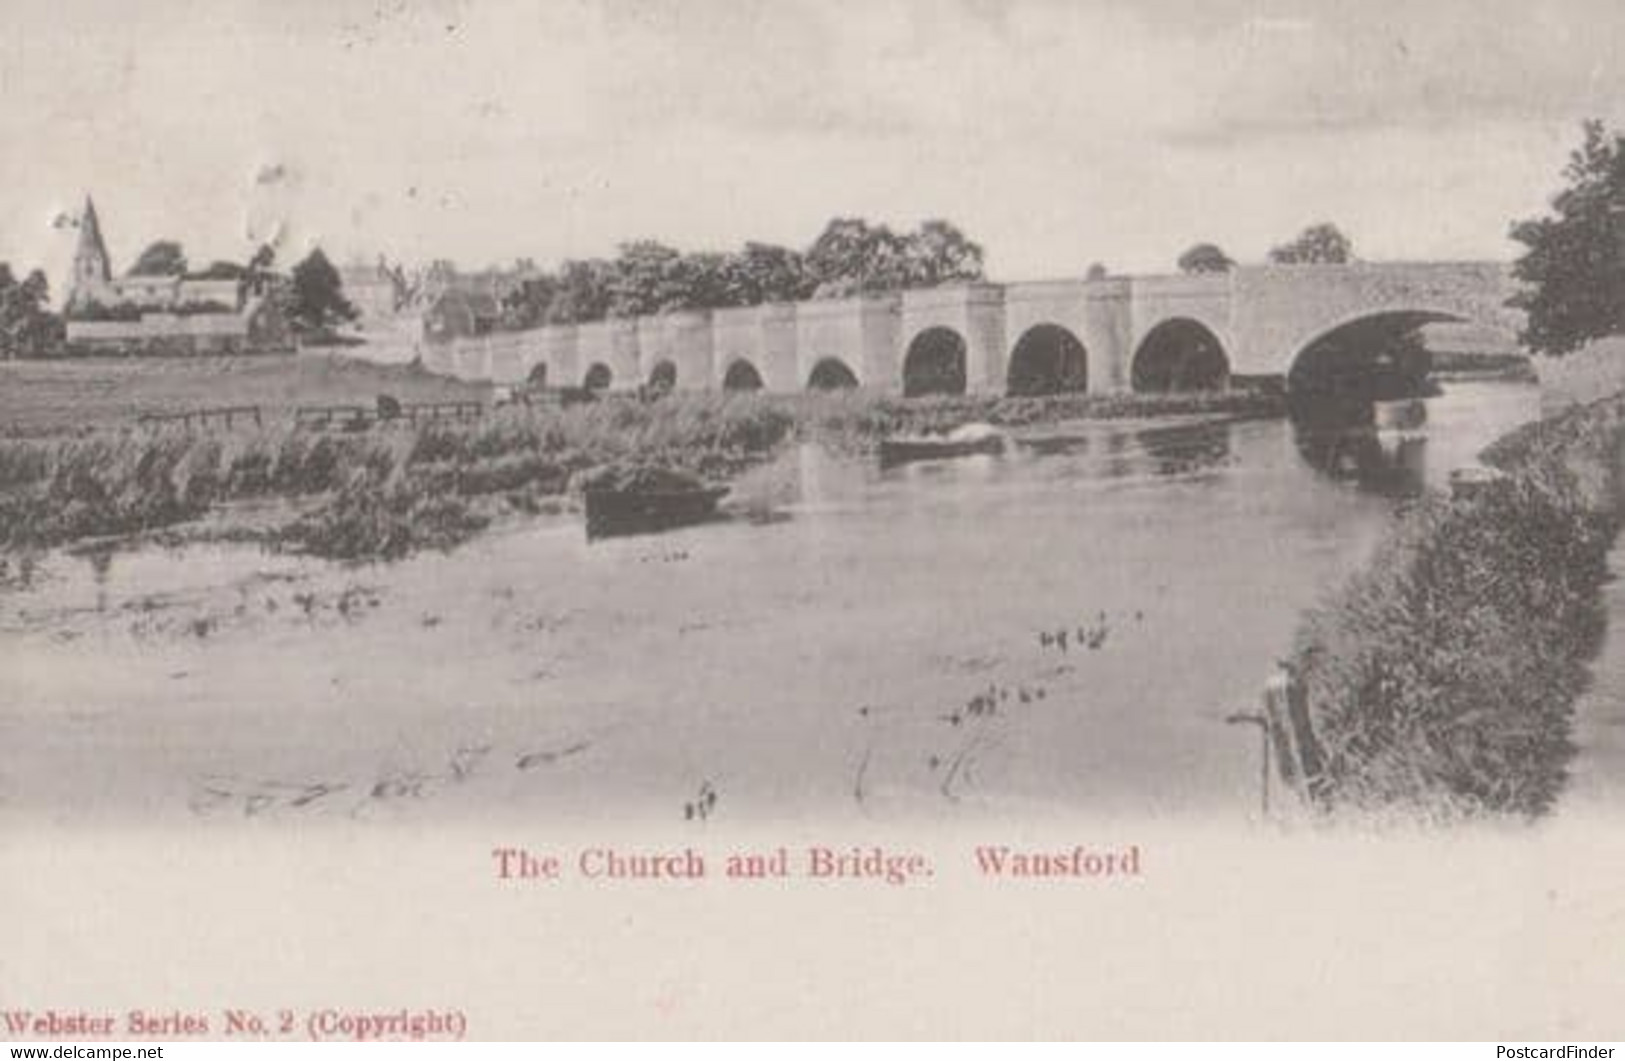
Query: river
x,y
855,643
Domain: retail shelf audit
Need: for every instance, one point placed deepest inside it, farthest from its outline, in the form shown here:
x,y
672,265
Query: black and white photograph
x,y
530,519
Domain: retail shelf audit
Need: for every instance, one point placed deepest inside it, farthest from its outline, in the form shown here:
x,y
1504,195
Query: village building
x,y
169,314
378,292
461,313
437,303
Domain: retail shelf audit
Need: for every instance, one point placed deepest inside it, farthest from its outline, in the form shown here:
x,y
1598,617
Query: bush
x,y
1443,677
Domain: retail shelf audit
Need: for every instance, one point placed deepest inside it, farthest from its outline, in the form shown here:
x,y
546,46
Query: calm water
x,y
852,643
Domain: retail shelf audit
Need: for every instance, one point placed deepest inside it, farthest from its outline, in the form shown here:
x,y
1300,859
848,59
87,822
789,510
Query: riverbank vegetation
x,y
399,487
380,493
1441,680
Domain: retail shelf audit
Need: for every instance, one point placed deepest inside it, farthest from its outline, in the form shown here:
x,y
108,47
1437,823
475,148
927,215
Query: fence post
x,y
1297,752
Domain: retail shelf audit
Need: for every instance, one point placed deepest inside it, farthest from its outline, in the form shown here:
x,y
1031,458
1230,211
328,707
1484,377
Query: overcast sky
x,y
1057,134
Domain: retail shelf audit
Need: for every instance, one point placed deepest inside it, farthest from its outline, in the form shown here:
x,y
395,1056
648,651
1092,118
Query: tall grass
x,y
1442,679
399,487
378,494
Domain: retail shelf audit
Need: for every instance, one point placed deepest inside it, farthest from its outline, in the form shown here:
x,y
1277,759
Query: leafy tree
x,y
938,253
161,258
583,292
710,281
222,270
763,272
526,305
1097,271
1574,270
852,257
1320,244
649,277
27,327
1205,258
316,295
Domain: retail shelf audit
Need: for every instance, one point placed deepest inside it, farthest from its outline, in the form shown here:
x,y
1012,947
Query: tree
x,y
1097,271
527,304
649,277
1574,270
583,292
316,295
938,253
161,258
1320,244
711,281
222,270
852,257
27,327
763,272
1205,258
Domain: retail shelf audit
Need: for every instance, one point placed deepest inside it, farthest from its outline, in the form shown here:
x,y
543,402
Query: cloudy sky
x,y
1055,133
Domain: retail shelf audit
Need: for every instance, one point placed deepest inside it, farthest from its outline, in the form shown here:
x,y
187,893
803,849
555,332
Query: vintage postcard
x,y
538,519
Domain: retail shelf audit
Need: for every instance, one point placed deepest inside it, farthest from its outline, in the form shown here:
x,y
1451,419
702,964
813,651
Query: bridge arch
x,y
741,376
664,375
1047,359
831,374
598,377
935,363
1366,355
1180,354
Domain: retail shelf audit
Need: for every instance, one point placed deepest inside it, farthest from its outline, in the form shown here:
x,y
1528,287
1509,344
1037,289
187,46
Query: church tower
x,y
92,273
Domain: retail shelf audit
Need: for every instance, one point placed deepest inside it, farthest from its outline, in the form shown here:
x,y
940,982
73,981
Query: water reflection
x,y
1380,448
1136,452
1184,448
1389,466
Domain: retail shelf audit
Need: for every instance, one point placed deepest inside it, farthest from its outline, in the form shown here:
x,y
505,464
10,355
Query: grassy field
x,y
42,398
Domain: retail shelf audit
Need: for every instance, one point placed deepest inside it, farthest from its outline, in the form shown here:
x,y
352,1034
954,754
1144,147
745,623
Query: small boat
x,y
965,441
640,500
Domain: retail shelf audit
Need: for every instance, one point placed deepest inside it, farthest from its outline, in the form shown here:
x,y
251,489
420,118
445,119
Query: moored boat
x,y
639,500
966,441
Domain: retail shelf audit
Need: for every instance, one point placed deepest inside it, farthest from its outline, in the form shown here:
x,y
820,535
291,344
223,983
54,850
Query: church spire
x,y
92,272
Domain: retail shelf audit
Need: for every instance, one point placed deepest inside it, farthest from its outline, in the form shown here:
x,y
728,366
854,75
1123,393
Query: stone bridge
x,y
1107,335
